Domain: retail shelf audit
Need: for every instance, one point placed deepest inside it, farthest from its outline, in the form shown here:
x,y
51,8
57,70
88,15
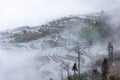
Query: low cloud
x,y
16,13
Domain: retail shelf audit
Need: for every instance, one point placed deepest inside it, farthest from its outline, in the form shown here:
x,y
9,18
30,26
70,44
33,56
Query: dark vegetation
x,y
26,36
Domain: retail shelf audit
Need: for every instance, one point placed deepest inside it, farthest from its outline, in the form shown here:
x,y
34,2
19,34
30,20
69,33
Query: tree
x,y
67,68
104,69
78,48
110,52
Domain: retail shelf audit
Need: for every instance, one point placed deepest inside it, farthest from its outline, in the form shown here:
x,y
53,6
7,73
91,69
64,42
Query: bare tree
x,y
78,49
67,68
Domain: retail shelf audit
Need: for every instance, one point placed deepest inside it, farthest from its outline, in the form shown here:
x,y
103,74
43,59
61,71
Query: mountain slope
x,y
36,53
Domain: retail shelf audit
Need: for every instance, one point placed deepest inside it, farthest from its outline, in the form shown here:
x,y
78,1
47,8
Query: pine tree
x,y
110,52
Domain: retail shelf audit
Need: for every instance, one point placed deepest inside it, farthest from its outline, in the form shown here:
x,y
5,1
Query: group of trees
x,y
78,49
106,64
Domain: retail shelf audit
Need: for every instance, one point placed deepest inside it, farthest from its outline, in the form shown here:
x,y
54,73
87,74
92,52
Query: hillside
x,y
39,51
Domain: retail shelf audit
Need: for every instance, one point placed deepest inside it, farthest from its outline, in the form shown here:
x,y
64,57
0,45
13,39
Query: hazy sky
x,y
16,13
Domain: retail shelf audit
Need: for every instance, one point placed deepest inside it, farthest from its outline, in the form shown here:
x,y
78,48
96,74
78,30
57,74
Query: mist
x,y
17,13
19,65
25,64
